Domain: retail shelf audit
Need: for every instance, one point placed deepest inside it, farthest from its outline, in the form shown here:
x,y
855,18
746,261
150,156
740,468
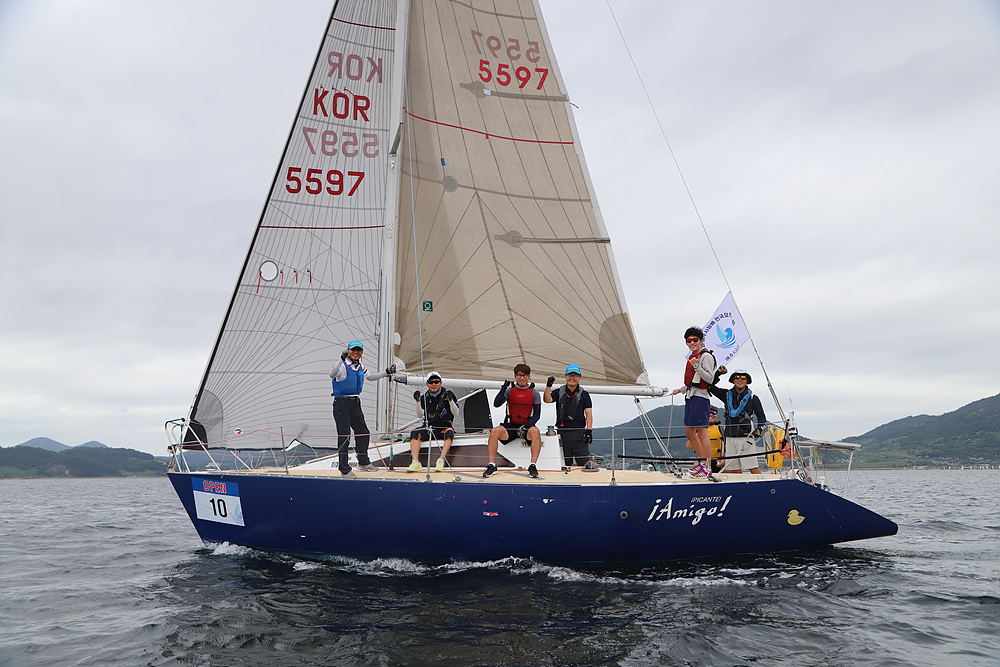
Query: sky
x,y
844,158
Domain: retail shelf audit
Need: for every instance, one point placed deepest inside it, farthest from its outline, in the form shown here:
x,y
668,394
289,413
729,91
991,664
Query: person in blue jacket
x,y
348,379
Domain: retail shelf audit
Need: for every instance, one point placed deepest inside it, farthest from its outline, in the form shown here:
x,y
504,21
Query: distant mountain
x,y
56,446
667,420
45,443
92,461
968,435
93,443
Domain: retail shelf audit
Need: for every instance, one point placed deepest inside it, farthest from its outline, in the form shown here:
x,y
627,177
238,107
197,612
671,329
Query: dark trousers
x,y
574,448
348,416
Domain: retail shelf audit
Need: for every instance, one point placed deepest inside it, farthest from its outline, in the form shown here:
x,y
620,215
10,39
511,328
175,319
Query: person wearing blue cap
x,y
348,379
574,417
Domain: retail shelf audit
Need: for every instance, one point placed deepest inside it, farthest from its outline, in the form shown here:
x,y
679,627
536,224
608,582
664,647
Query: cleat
x,y
490,469
414,467
533,470
440,465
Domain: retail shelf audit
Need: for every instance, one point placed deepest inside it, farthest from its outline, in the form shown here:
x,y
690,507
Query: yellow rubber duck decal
x,y
794,518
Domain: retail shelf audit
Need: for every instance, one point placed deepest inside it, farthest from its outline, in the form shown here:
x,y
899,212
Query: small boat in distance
x,y
433,202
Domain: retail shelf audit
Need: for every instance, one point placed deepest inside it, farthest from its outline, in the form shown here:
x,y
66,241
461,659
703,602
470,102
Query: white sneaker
x,y
440,465
415,467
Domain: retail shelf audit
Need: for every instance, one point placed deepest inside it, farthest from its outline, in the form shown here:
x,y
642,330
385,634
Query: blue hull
x,y
444,522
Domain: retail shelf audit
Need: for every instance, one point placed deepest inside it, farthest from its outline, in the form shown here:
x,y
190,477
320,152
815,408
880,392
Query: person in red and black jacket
x,y
524,408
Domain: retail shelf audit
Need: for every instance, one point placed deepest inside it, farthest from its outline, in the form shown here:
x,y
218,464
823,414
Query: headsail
x,y
499,227
311,280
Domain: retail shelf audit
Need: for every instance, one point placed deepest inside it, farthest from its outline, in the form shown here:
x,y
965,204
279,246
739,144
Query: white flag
x,y
725,333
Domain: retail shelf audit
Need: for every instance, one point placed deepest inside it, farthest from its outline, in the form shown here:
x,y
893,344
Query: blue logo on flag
x,y
726,337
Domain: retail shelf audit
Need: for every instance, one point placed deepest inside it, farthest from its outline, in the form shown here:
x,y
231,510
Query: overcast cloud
x,y
843,156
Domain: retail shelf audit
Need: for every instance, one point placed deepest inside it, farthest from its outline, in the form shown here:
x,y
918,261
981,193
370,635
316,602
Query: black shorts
x,y
511,432
440,433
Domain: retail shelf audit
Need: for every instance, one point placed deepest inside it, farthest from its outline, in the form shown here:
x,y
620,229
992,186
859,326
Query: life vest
x,y
738,422
569,406
773,439
689,371
352,384
437,409
715,437
520,404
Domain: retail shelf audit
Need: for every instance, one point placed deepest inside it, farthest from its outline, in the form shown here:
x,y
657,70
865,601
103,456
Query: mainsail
x,y
499,227
457,169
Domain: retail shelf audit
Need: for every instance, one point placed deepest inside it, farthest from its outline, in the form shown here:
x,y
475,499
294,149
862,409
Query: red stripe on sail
x,y
299,227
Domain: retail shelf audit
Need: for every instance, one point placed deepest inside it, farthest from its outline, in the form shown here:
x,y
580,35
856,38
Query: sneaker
x,y
490,469
440,465
415,467
699,470
367,467
532,470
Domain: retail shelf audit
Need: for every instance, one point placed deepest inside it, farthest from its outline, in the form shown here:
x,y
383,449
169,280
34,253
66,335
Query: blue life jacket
x,y
352,384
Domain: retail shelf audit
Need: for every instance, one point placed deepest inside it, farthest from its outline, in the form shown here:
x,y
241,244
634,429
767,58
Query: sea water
x,y
111,572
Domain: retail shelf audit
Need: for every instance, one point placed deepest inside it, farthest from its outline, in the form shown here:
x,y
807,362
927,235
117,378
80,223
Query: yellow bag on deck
x,y
773,437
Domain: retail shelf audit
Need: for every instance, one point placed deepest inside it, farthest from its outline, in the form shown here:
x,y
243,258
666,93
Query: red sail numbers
x,y
506,74
334,103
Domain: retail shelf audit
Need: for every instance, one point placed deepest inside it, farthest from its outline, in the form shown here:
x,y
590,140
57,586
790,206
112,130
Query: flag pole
x,y
770,387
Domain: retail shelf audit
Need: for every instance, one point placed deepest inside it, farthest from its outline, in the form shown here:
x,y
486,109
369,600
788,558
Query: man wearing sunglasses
x,y
742,408
440,407
699,373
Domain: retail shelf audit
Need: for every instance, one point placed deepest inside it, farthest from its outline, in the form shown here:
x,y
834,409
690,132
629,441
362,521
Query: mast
x,y
387,302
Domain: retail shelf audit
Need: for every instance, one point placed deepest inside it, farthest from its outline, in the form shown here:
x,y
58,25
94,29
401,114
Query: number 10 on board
x,y
217,501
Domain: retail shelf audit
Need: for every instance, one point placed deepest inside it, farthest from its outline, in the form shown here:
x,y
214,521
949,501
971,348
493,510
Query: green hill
x,y
969,435
665,422
90,461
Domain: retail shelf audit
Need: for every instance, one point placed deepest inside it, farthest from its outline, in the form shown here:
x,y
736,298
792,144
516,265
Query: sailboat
x,y
433,202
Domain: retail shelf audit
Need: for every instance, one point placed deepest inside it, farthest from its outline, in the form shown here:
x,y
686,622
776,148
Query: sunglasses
x,y
692,339
434,382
